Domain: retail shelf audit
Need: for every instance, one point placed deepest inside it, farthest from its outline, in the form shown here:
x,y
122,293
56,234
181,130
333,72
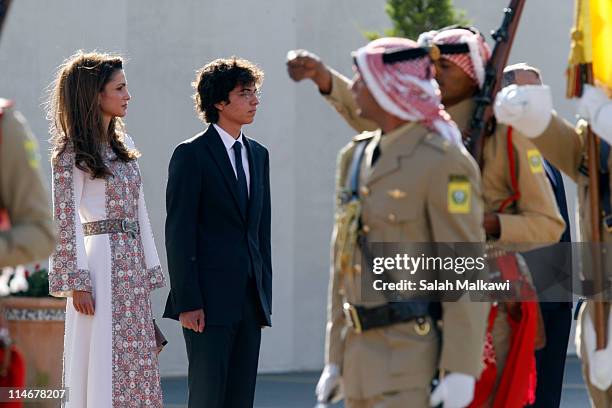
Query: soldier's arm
x,y
561,145
24,193
334,344
333,86
341,99
537,219
464,322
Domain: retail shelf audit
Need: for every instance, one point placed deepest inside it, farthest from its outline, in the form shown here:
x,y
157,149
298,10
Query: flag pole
x,y
579,73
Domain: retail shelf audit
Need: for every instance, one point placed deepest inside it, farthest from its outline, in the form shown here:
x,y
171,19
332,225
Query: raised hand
x,y
303,64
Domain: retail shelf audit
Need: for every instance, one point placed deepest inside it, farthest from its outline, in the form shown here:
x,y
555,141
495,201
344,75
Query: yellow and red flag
x,y
592,29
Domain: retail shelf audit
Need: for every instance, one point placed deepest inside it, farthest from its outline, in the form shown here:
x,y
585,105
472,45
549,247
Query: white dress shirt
x,y
228,141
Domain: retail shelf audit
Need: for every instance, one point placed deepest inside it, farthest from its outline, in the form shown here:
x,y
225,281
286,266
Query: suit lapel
x,y
254,171
219,154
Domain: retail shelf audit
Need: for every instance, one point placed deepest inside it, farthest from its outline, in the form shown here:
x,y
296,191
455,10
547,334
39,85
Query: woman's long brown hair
x,y
75,114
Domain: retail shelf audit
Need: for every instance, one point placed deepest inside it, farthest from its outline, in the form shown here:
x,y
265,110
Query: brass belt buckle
x,y
129,227
352,316
422,327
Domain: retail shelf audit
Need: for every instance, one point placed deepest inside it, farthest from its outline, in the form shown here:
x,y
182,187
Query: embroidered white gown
x,y
109,358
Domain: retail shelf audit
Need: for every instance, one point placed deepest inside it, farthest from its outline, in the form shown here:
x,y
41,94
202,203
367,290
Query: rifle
x,y
483,120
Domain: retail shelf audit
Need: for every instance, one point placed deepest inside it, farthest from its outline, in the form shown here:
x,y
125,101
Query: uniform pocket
x,y
411,352
400,220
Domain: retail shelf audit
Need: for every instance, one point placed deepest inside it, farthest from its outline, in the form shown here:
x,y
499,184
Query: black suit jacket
x,y
212,246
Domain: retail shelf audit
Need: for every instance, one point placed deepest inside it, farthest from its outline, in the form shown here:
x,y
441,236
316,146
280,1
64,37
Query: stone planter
x,y
37,327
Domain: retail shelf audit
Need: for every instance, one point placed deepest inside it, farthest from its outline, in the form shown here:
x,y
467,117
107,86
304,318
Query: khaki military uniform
x,y
530,222
405,198
23,194
565,147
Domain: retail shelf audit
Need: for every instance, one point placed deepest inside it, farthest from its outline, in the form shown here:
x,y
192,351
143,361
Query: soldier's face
x,y
114,97
367,105
455,84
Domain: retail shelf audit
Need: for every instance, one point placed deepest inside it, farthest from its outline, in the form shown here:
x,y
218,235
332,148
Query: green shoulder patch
x,y
459,195
31,148
535,161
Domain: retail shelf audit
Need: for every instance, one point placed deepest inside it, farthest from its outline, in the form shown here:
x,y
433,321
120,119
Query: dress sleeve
x,y
155,276
68,265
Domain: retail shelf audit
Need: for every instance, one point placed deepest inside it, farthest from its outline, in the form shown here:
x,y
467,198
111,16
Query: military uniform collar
x,y
401,141
407,136
461,113
403,129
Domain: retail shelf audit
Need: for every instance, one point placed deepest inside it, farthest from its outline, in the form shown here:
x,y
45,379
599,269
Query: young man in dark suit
x,y
218,238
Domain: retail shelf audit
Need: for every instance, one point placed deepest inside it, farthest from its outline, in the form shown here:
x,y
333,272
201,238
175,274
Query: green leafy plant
x,y
412,17
38,283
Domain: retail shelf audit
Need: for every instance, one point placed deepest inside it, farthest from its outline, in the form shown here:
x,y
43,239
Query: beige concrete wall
x,y
166,41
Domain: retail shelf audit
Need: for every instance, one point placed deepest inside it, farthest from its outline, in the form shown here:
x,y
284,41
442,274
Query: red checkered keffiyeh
x,y
472,63
405,89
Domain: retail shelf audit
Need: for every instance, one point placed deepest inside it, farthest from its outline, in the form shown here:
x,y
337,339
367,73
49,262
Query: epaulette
x,y
438,142
364,136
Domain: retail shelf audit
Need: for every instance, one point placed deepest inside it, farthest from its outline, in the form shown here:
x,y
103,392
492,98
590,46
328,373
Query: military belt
x,y
362,318
125,226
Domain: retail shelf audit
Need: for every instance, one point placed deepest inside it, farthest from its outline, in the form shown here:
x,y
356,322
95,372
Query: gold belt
x,y
125,226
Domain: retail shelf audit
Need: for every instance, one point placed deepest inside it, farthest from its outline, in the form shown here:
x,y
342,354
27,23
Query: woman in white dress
x,y
105,262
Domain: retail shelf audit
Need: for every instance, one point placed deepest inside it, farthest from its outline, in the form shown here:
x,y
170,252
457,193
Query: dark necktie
x,y
604,154
243,194
550,173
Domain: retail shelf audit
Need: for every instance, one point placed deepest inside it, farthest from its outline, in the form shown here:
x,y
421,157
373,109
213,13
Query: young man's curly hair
x,y
215,80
